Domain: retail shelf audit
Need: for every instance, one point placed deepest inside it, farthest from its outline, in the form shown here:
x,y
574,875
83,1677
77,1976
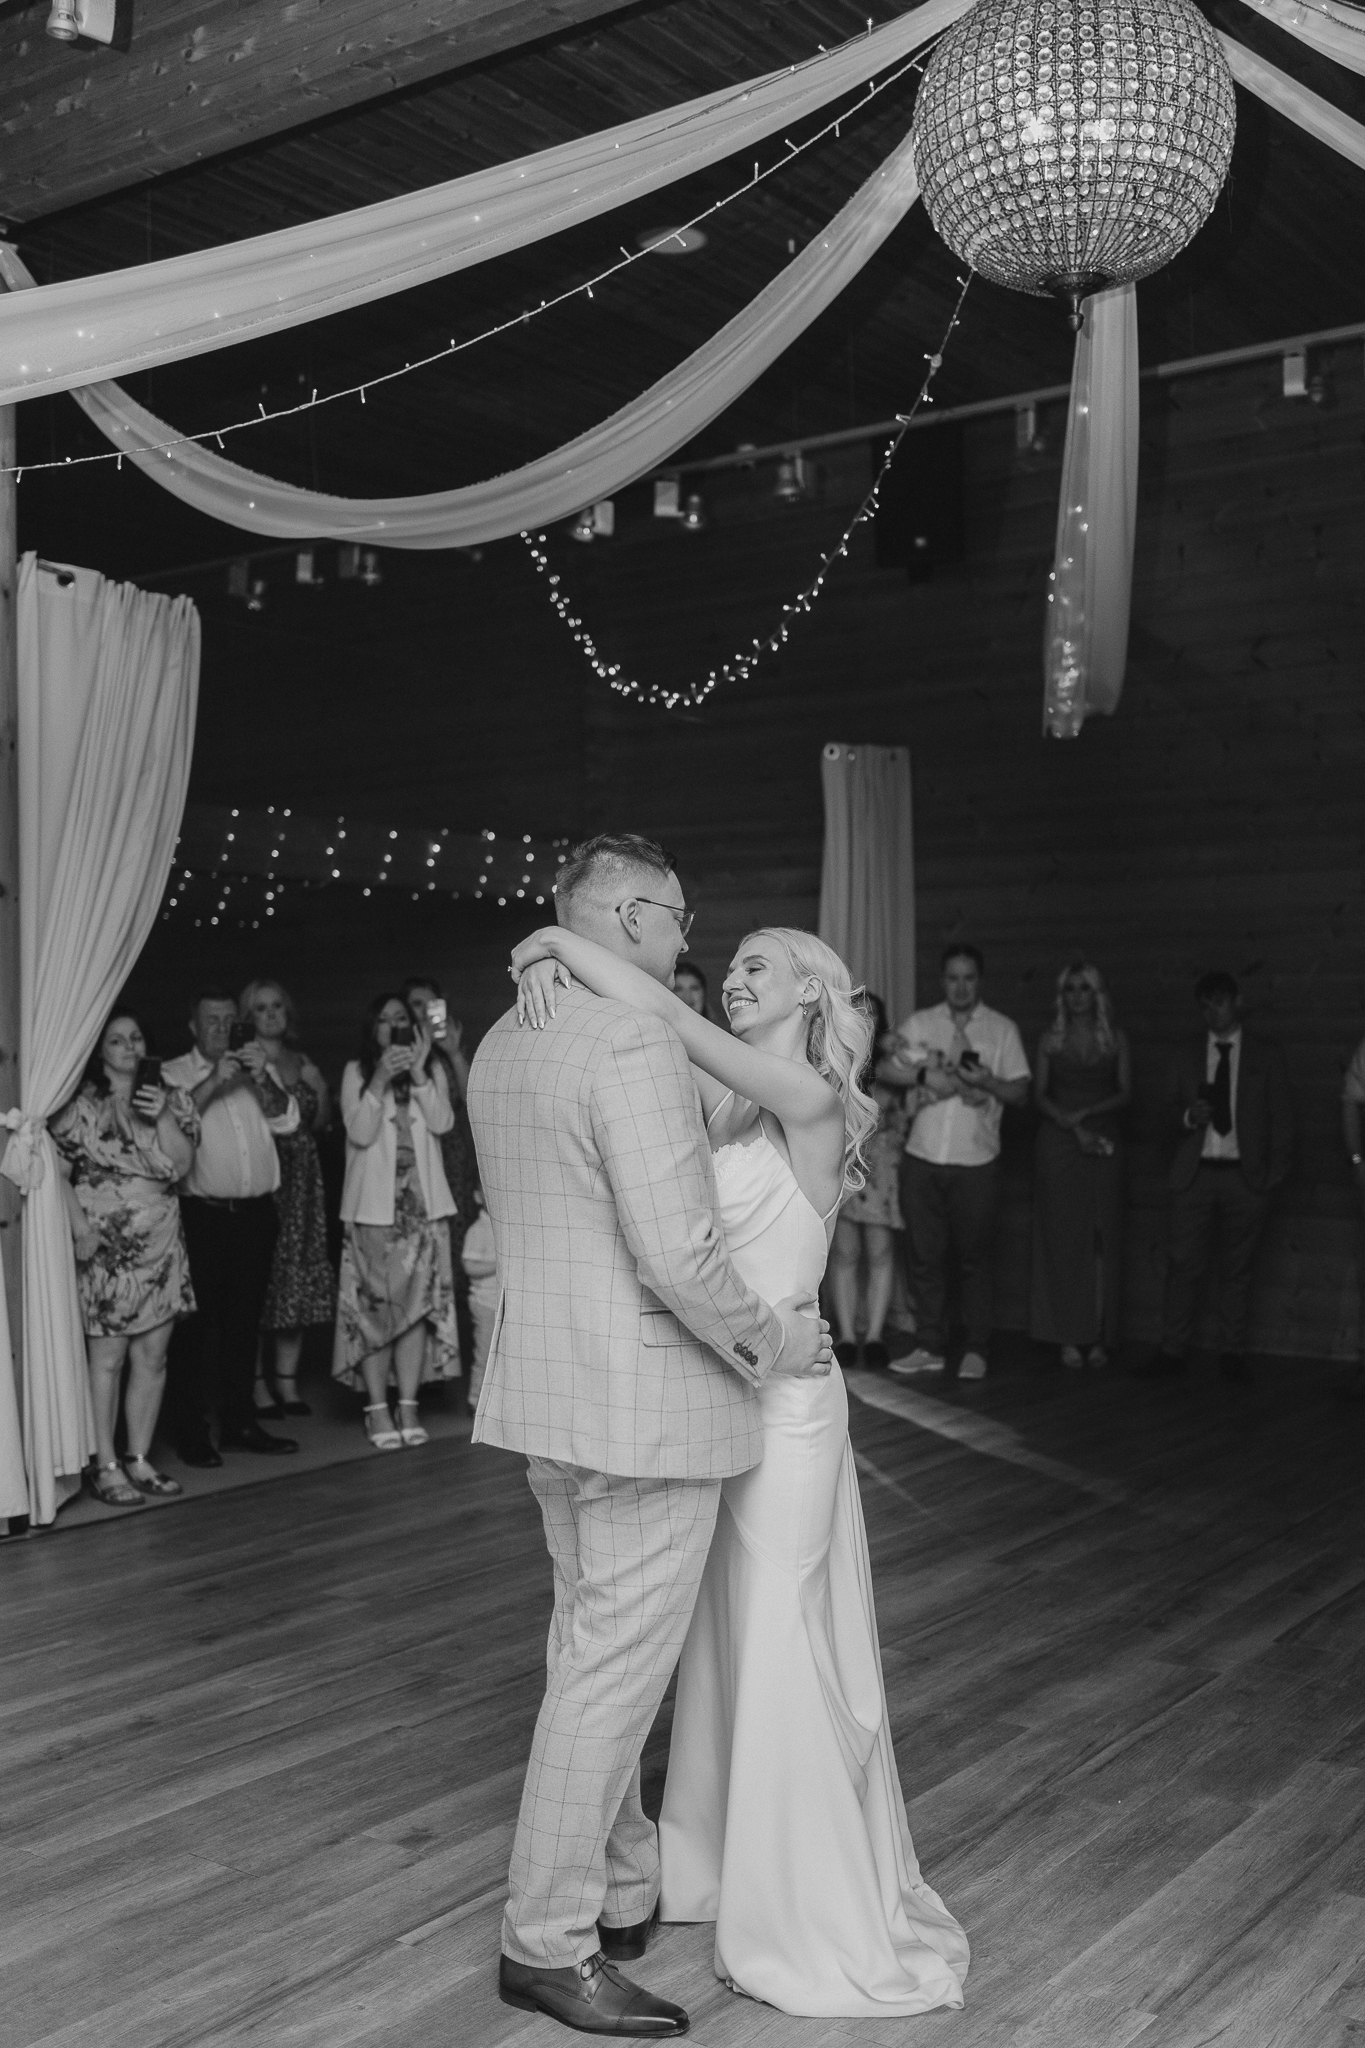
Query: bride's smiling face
x,y
761,988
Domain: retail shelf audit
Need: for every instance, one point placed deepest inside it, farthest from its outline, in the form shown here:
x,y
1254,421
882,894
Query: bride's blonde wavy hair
x,y
839,1035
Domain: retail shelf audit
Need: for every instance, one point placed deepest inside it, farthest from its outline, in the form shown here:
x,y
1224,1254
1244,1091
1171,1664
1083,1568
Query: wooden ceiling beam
x,y
78,121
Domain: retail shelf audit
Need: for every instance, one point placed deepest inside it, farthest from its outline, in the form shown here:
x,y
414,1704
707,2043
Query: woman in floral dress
x,y
396,1277
122,1149
302,1288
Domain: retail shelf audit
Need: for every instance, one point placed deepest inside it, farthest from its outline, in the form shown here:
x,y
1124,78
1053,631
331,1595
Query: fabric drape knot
x,y
23,1157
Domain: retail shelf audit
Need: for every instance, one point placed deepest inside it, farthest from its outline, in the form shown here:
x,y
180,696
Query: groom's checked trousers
x,y
628,1557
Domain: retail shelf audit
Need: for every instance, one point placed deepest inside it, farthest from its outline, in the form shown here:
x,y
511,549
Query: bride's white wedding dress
x,y
783,1819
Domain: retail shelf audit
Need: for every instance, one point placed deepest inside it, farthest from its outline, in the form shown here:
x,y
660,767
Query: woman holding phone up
x,y
124,1140
396,1280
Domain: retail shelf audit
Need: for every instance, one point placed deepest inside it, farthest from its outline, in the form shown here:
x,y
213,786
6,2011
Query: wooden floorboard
x,y
260,1757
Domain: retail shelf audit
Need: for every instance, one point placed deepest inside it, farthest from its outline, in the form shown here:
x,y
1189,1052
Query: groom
x,y
624,1360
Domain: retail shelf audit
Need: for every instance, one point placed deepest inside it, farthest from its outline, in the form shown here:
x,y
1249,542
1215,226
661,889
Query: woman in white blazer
x,y
396,1284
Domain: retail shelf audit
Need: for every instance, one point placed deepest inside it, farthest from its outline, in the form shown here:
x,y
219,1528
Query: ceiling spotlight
x,y
793,482
358,565
595,522
96,20
582,526
693,513
671,241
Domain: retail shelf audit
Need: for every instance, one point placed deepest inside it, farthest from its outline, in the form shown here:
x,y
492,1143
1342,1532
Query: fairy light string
x,y
234,866
741,664
628,257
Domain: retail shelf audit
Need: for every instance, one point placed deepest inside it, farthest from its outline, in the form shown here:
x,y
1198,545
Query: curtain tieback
x,y
23,1158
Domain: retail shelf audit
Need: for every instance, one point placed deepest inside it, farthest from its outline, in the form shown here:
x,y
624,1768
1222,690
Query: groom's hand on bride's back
x,y
807,1352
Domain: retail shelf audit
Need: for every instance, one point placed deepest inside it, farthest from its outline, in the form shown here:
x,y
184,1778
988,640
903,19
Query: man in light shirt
x,y
968,1063
227,1204
1229,1107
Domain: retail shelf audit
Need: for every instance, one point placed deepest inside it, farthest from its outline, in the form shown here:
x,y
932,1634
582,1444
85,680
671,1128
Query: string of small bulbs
x,y
235,866
648,247
741,664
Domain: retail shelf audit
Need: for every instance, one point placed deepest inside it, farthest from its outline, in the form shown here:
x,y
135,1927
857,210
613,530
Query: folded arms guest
x,y
396,1276
1230,1112
302,1289
122,1148
968,1062
1082,1084
228,1207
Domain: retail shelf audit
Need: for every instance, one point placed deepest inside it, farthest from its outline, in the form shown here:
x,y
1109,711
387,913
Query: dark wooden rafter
x,y
80,122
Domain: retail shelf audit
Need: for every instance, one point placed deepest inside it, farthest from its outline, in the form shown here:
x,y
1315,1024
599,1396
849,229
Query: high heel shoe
x,y
287,1395
382,1439
412,1433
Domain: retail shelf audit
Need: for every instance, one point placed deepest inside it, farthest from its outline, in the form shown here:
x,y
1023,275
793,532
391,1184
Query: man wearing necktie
x,y
1230,1106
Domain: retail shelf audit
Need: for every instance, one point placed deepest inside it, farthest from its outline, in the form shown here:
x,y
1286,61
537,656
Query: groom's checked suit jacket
x,y
612,1265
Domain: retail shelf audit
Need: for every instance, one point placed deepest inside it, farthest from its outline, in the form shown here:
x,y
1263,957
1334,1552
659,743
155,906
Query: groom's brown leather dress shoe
x,y
593,1997
626,1944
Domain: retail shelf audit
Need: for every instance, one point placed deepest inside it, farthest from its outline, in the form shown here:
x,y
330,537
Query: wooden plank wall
x,y
1214,820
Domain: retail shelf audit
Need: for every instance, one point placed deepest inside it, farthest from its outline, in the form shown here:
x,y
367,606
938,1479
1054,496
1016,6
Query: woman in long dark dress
x,y
1082,1084
302,1291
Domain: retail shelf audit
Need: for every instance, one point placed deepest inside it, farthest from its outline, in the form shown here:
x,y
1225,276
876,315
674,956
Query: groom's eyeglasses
x,y
684,917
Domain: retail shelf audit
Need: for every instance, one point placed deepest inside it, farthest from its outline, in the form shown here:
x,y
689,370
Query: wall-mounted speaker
x,y
921,514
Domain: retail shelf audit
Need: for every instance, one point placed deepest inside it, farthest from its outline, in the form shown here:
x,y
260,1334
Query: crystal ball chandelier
x,y
1063,146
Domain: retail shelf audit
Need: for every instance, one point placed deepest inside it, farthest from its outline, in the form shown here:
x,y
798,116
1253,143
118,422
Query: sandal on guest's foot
x,y
145,1477
383,1436
108,1484
266,1405
411,1432
287,1395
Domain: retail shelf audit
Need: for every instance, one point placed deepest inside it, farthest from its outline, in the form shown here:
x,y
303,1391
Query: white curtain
x,y
1085,637
108,683
13,1480
867,878
629,444
1336,32
1315,115
93,328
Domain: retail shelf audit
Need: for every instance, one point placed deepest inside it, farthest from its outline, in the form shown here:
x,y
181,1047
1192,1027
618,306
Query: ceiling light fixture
x,y
693,513
96,20
793,481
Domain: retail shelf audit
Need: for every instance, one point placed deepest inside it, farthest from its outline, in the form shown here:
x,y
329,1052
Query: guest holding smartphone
x,y
124,1140
396,1270
302,1290
429,1011
228,1205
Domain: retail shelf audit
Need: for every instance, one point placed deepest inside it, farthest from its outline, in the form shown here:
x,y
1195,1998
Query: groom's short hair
x,y
600,865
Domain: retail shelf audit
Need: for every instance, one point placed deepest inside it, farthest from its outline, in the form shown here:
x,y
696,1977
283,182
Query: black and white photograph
x,y
682,1023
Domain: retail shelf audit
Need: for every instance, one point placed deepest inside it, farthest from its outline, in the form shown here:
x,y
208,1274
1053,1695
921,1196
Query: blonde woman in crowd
x,y
1082,1084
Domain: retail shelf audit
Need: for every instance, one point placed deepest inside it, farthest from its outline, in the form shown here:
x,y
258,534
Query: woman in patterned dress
x,y
863,1252
122,1149
396,1277
302,1288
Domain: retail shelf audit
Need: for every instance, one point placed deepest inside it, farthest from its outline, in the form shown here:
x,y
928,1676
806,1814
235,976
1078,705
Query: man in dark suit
x,y
1229,1107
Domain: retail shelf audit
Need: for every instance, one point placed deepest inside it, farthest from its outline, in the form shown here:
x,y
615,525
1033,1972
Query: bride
x,y
782,1819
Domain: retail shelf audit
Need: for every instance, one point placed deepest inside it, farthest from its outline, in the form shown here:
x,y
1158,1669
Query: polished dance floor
x,y
262,1752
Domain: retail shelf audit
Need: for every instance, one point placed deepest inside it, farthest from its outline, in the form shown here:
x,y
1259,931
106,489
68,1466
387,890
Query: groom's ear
x,y
628,917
